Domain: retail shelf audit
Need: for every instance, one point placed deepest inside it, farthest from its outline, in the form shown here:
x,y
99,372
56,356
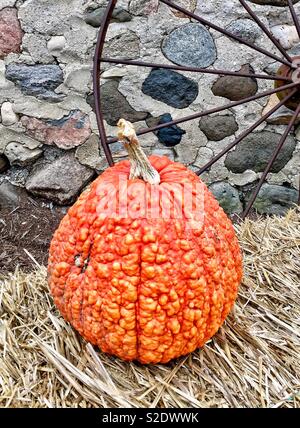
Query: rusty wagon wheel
x,y
286,85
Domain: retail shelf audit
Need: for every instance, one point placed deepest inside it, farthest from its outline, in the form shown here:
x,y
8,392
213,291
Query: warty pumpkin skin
x,y
140,288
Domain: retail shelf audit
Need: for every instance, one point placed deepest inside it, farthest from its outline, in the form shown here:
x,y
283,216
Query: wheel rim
x,y
286,86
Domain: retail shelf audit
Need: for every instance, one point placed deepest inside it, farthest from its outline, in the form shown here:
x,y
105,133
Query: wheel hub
x,y
294,74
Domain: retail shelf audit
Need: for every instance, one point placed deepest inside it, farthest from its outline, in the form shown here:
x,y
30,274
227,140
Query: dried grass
x,y
252,362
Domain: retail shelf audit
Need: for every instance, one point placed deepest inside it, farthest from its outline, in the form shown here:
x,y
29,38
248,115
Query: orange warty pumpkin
x,y
144,287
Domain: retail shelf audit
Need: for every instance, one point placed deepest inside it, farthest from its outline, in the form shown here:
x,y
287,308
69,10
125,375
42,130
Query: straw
x,y
253,361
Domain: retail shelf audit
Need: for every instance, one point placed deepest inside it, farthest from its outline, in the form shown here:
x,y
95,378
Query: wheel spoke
x,y
96,79
294,15
245,134
265,30
271,162
211,111
227,33
193,69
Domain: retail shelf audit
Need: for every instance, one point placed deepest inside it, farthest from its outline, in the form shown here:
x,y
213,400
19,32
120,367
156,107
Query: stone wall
x,y
48,131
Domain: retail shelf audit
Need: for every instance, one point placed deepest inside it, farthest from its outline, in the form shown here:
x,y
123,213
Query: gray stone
x,y
37,80
236,88
56,44
171,88
16,175
89,153
169,153
18,154
245,29
8,135
117,147
4,164
8,116
272,68
280,3
118,150
115,106
47,16
186,153
227,196
126,45
5,85
286,35
51,153
36,46
216,128
143,7
10,196
255,151
282,116
294,51
59,181
189,5
242,179
7,3
114,73
80,43
205,154
78,77
275,200
190,45
95,17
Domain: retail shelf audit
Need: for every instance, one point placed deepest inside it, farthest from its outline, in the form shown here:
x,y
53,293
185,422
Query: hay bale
x,y
252,362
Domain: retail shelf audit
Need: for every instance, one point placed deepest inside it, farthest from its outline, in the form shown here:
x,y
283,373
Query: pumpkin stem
x,y
140,165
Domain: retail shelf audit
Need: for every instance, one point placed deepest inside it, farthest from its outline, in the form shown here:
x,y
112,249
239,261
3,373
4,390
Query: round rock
x,y
20,155
115,105
56,44
227,196
236,88
171,88
274,200
126,45
59,181
216,128
95,17
89,153
190,45
255,151
10,196
8,115
170,136
244,28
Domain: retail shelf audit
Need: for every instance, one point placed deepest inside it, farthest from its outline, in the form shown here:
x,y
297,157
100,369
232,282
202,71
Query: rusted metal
x,y
294,16
265,30
244,134
271,162
195,69
96,79
223,31
294,74
211,111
